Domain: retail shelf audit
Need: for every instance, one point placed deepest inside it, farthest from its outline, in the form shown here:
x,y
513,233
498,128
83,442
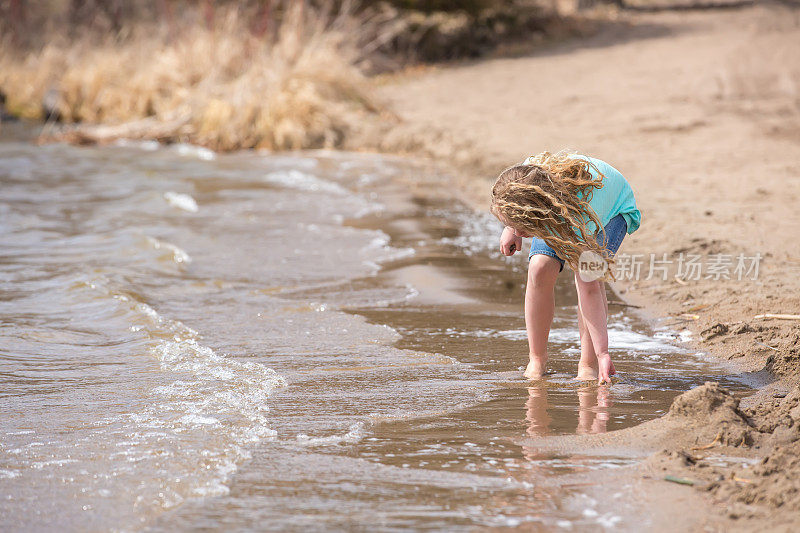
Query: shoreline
x,y
734,150
643,483
670,107
435,297
662,446
637,488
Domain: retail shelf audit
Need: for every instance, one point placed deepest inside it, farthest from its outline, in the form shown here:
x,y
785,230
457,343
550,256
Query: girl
x,y
570,204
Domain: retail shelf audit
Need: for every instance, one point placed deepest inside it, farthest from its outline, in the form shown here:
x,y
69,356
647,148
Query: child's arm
x,y
510,242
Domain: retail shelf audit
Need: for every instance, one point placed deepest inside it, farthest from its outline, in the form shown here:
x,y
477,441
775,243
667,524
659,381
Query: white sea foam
x,y
181,201
623,339
148,146
353,435
479,233
192,432
296,179
53,462
191,150
516,334
609,521
619,338
193,419
379,250
178,255
214,391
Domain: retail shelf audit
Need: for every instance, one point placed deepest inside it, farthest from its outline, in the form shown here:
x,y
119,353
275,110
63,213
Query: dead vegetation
x,y
222,87
274,75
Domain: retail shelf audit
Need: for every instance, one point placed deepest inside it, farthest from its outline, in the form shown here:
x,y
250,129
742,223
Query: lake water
x,y
253,341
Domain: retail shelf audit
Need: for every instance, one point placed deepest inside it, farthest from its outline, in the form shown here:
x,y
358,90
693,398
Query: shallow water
x,y
193,340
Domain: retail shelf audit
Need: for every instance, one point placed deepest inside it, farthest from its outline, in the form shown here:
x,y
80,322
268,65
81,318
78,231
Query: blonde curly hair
x,y
548,197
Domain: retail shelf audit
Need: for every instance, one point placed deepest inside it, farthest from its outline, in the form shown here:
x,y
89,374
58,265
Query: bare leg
x,y
587,366
540,306
593,308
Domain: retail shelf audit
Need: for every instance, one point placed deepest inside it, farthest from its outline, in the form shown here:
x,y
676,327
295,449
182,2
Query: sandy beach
x,y
340,318
698,109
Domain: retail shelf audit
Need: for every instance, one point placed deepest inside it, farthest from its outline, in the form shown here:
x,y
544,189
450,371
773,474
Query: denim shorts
x,y
615,232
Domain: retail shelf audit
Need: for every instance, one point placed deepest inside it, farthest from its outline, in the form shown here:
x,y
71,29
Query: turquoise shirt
x,y
614,198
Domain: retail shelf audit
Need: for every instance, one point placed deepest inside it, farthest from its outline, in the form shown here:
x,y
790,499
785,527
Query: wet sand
x,y
707,134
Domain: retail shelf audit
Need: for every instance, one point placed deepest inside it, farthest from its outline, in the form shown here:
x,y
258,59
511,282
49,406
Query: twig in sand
x,y
767,346
742,480
679,321
680,281
679,480
623,304
717,440
779,317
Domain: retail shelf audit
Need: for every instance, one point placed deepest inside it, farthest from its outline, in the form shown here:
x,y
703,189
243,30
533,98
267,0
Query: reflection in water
x,y
593,409
593,406
536,411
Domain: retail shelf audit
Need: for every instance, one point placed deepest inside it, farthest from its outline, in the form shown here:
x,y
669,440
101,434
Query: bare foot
x,y
605,368
586,373
536,368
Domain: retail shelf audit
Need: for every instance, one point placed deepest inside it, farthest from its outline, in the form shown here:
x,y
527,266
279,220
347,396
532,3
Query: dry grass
x,y
221,88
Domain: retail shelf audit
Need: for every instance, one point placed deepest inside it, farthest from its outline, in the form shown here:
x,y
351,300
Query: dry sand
x,y
701,112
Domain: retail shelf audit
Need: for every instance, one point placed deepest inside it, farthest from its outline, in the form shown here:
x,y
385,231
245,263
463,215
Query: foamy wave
x,y
8,474
54,462
355,434
479,232
191,150
194,420
195,430
178,255
521,334
216,391
181,201
295,179
148,146
619,338
668,334
624,339
378,251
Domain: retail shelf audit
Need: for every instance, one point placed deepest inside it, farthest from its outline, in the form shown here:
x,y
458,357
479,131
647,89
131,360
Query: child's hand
x,y
510,243
605,369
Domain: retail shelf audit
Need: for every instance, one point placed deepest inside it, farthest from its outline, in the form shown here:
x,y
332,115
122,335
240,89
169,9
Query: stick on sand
x,y
780,317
